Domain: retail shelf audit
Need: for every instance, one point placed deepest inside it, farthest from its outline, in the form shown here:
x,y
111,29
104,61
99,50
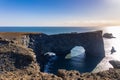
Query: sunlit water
x,y
108,44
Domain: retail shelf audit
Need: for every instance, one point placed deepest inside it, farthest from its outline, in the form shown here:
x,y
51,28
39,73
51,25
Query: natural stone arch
x,y
63,43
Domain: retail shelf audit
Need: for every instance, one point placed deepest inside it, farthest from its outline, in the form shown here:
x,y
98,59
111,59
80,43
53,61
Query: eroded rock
x,y
108,35
115,63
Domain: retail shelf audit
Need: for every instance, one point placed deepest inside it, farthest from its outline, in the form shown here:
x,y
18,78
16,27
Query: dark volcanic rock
x,y
115,63
113,50
3,42
63,43
108,35
91,41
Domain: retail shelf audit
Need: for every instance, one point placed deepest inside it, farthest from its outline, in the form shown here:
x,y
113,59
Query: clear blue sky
x,y
52,12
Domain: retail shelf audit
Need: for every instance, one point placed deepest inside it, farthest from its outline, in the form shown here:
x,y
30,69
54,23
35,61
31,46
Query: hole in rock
x,y
75,52
77,59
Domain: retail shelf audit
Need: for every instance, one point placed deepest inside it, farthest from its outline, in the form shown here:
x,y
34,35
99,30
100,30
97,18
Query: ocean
x,y
49,30
77,63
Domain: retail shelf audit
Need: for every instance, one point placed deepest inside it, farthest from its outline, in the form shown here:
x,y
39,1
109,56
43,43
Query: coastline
x,y
40,75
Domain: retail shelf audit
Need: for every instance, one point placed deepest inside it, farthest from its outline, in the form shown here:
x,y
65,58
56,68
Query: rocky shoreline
x,y
19,57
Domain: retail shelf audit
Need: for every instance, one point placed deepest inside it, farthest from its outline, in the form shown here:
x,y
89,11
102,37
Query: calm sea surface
x,y
48,30
77,63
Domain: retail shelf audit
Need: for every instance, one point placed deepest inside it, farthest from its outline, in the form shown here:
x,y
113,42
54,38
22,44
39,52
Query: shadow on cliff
x,y
61,44
91,62
13,61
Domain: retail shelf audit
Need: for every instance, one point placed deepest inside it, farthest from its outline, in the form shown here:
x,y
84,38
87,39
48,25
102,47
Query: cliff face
x,y
19,62
111,74
59,43
63,43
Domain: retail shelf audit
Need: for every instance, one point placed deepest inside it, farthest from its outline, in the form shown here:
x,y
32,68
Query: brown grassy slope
x,y
14,35
111,74
19,63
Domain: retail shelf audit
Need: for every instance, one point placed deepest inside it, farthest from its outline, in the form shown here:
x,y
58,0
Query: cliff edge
x,y
19,55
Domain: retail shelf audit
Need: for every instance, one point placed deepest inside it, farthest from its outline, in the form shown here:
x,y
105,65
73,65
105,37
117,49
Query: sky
x,y
59,12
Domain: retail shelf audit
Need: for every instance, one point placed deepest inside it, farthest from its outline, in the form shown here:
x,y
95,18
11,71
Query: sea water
x,y
48,30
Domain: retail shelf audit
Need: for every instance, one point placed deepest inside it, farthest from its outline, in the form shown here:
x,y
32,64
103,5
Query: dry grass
x,y
17,33
14,35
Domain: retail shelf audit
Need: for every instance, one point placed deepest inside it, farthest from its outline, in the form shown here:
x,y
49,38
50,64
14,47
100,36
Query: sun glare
x,y
115,30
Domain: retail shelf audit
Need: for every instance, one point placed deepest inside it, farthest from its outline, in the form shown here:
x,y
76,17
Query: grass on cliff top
x,y
18,33
18,36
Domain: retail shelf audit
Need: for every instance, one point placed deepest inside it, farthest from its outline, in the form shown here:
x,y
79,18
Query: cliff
x,y
63,43
59,43
20,53
19,63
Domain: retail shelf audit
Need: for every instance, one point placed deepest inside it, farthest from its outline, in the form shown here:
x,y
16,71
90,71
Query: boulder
x,y
108,35
2,42
49,54
115,63
69,75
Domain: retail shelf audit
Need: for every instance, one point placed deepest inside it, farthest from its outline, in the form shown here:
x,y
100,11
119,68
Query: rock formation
x,y
115,63
108,35
111,74
59,43
63,43
18,53
19,63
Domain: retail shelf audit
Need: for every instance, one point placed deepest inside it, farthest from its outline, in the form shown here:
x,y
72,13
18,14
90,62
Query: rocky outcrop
x,y
111,74
14,57
108,35
19,58
63,43
69,75
115,64
59,43
19,63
